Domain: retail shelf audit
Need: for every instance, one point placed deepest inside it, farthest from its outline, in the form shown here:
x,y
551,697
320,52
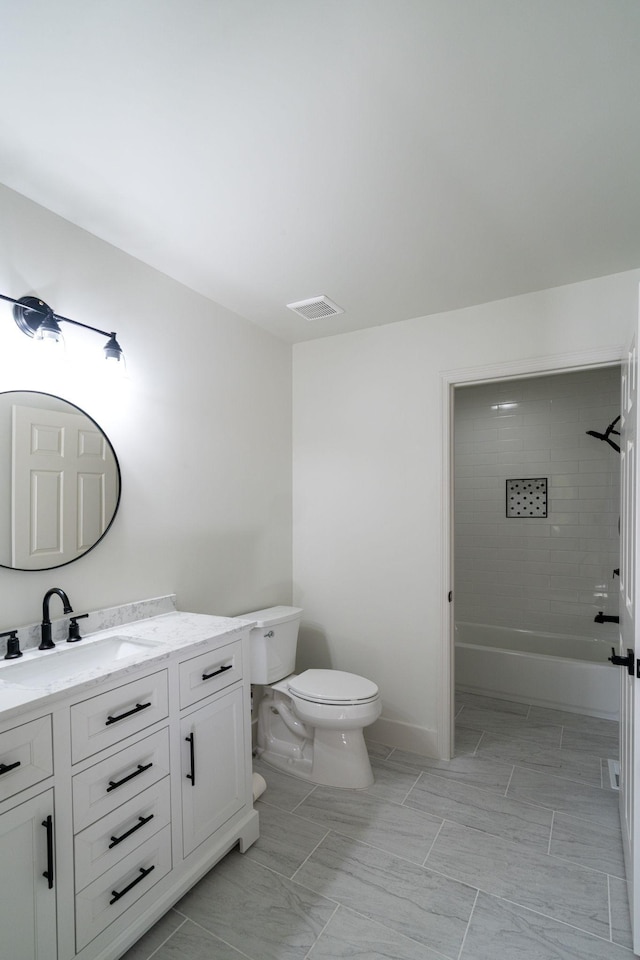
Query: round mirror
x,y
59,481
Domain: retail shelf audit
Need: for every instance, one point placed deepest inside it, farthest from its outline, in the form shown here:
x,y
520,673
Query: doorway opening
x,y
536,474
496,385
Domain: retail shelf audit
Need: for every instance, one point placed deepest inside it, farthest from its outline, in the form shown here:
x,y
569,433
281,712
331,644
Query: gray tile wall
x,y
549,574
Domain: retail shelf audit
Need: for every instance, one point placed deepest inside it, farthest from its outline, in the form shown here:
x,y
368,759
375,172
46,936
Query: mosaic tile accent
x,y
527,497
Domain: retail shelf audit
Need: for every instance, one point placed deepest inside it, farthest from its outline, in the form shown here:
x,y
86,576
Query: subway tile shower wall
x,y
553,573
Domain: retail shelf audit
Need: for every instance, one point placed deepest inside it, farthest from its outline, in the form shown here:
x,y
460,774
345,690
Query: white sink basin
x,y
72,661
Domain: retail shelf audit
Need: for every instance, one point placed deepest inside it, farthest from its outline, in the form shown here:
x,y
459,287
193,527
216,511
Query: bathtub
x,y
549,670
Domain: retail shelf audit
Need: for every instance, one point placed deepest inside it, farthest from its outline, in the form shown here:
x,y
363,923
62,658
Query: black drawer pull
x,y
192,758
216,673
138,707
141,822
5,767
48,873
136,773
143,873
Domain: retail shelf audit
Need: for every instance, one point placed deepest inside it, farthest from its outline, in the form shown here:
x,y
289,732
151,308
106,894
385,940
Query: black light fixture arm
x,y
43,312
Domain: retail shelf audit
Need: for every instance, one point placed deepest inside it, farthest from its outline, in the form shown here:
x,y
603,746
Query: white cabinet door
x,y
213,775
27,902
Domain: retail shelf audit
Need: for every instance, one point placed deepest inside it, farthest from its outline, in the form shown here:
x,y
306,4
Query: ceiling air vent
x,y
317,308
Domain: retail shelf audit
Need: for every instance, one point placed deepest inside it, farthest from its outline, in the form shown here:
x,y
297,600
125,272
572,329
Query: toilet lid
x,y
333,686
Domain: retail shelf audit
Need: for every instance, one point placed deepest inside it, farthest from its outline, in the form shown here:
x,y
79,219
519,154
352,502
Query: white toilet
x,y
310,724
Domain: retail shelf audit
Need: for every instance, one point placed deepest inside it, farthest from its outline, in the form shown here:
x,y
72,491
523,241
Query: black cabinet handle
x,y
5,767
192,759
216,673
141,822
113,784
115,894
138,707
48,873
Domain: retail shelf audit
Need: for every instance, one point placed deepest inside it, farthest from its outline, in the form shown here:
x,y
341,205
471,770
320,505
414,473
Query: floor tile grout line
x,y
293,809
311,852
313,945
575,754
424,862
466,931
547,773
506,789
577,863
482,788
166,940
553,820
548,916
610,910
218,939
409,791
404,936
517,843
517,903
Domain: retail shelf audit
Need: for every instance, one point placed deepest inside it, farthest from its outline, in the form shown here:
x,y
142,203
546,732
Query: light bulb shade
x,y
49,330
113,350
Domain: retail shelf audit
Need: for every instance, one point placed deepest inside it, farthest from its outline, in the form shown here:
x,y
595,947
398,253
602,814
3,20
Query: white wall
x,y
202,427
368,462
552,573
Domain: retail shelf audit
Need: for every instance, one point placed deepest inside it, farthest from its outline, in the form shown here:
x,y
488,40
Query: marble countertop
x,y
171,635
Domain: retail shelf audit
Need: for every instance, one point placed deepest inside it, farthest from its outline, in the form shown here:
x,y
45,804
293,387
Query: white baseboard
x,y
404,736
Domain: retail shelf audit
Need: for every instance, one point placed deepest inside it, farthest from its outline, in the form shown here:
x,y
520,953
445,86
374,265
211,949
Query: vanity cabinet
x,y
28,898
151,776
213,780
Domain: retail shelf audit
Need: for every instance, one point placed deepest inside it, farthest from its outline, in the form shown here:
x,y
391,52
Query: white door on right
x,y
629,626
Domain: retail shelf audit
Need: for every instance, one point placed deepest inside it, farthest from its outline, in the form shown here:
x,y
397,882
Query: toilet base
x,y
338,759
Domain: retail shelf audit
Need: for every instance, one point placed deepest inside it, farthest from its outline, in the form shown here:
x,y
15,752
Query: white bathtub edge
x,y
573,686
537,702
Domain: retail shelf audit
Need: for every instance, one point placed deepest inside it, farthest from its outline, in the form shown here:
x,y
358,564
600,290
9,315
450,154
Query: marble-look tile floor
x,y
511,850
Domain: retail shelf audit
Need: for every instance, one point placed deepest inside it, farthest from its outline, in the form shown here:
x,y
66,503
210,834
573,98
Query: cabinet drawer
x,y
108,897
104,720
26,756
103,844
209,673
108,784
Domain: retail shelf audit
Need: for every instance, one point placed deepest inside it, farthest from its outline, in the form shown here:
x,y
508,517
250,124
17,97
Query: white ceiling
x,y
403,157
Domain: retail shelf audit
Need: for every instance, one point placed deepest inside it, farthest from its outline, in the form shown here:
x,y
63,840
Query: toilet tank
x,y
273,642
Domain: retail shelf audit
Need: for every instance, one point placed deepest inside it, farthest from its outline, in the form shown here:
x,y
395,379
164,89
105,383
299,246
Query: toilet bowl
x,y
311,724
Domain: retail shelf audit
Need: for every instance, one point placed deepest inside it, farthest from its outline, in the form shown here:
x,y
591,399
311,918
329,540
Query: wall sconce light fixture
x,y
36,319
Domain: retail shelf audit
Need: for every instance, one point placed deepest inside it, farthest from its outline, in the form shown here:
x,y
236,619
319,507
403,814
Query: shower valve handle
x,y
628,661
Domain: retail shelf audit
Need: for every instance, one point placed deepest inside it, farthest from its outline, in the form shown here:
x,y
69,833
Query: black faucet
x,y
603,618
46,643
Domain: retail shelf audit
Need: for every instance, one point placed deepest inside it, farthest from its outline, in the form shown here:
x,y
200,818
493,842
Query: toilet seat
x,y
333,687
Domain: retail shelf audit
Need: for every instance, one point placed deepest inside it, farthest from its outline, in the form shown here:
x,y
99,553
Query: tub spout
x,y
603,618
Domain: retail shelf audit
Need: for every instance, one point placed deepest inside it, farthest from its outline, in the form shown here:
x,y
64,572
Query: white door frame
x,y
517,369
